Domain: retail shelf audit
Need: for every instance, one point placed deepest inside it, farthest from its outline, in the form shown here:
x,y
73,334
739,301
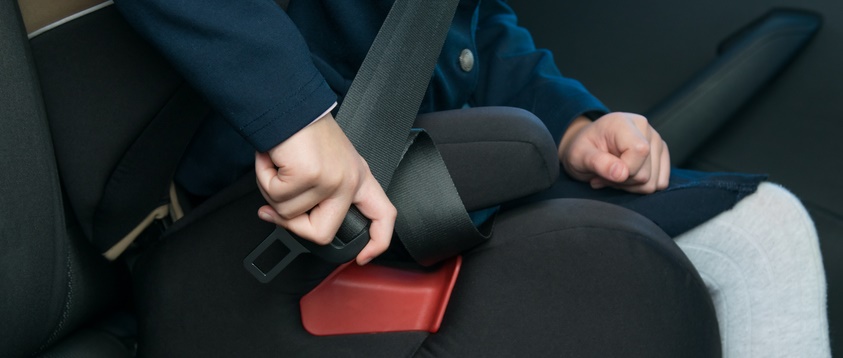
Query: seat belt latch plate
x,y
294,250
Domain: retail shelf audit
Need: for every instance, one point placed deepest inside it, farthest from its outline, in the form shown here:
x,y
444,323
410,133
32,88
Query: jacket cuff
x,y
557,116
288,117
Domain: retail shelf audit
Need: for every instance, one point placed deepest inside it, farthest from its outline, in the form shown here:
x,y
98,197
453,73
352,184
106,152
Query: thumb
x,y
607,166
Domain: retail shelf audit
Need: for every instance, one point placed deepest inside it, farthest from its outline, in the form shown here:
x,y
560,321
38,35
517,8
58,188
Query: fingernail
x,y
265,216
615,171
365,261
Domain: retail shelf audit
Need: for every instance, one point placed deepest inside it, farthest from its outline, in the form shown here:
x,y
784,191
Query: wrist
x,y
324,114
571,132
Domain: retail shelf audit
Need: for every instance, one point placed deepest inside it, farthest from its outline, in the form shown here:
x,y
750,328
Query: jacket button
x,y
466,60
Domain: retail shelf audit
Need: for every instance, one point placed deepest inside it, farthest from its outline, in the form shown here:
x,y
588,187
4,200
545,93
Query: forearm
x,y
246,57
532,81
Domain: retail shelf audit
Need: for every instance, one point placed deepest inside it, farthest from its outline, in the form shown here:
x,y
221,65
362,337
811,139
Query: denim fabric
x,y
692,197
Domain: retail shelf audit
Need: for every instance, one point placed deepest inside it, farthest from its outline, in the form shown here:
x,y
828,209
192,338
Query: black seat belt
x,y
377,116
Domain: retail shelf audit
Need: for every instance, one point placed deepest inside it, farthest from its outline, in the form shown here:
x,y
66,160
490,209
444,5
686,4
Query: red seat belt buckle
x,y
374,299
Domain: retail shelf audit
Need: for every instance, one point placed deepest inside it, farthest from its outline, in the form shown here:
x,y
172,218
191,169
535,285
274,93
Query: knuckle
x,y
364,164
275,196
362,171
355,178
613,117
332,182
642,177
286,215
310,173
655,137
592,161
323,237
285,212
391,212
642,148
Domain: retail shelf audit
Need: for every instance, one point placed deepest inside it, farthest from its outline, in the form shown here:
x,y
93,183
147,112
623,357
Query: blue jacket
x,y
269,73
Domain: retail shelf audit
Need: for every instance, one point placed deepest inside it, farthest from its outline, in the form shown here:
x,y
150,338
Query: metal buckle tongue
x,y
336,252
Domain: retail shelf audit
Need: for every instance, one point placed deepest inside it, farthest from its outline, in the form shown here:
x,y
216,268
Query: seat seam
x,y
67,303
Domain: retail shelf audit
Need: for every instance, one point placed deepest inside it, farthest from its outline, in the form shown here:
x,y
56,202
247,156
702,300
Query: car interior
x,y
732,86
631,55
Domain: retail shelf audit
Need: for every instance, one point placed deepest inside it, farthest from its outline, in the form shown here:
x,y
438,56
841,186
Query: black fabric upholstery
x,y
89,343
102,86
142,178
33,249
569,293
577,278
50,280
564,278
494,154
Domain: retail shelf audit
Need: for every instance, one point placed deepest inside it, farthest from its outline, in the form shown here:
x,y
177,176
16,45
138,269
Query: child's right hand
x,y
311,180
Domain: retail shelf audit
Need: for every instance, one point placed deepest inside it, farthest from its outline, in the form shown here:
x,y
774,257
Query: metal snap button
x,y
466,60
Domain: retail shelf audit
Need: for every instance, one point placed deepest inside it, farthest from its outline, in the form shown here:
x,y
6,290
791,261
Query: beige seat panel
x,y
38,14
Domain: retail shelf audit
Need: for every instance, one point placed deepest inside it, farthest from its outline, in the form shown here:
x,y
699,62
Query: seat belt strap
x,y
432,222
377,116
383,101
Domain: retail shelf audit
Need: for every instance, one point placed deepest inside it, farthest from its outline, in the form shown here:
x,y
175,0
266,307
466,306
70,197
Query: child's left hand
x,y
619,150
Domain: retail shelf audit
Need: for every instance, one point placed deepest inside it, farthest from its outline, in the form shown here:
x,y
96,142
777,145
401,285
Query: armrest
x,y
746,63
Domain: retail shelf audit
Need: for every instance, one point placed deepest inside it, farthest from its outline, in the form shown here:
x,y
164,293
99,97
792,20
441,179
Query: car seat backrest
x,y
50,278
94,122
120,118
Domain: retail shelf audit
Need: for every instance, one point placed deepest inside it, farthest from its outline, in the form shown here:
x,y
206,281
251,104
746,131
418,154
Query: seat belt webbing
x,y
377,116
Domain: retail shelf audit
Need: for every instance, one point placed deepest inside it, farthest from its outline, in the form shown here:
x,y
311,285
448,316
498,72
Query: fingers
x,y
311,180
608,168
270,179
634,149
374,204
664,173
619,150
322,222
654,174
318,225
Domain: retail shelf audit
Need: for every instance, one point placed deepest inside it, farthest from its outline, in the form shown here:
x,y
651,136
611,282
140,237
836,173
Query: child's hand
x,y
310,181
619,150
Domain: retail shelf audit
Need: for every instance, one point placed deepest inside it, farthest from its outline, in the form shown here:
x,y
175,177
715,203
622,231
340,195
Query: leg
x,y
762,265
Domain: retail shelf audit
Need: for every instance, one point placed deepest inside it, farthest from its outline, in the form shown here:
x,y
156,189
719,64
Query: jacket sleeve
x,y
245,56
515,73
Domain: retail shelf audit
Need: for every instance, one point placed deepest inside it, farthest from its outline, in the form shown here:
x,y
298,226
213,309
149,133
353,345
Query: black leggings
x,y
562,277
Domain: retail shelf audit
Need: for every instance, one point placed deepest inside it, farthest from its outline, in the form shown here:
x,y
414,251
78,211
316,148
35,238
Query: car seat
x,y
102,88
